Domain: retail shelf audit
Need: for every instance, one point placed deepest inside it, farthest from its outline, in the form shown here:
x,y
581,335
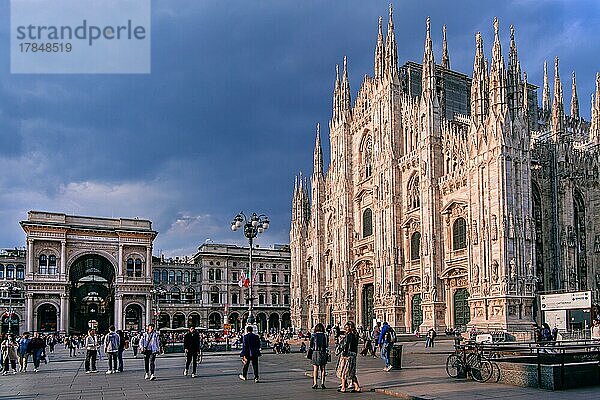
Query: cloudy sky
x,y
227,116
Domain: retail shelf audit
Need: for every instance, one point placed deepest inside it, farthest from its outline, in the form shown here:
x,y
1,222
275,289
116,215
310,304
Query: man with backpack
x,y
387,337
111,348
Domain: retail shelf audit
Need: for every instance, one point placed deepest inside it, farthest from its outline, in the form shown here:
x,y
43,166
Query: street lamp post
x,y
10,288
155,294
253,225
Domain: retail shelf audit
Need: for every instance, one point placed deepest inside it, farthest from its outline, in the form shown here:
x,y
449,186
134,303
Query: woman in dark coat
x,y
320,355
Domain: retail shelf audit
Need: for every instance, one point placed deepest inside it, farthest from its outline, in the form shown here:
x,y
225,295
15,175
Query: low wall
x,y
526,375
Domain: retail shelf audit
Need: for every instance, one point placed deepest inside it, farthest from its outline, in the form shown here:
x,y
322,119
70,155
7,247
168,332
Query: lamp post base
x,y
251,321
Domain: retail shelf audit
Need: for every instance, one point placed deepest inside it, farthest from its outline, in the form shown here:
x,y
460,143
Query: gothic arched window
x,y
459,234
367,219
368,157
415,246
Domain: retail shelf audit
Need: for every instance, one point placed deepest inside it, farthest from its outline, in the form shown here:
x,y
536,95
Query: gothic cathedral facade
x,y
450,200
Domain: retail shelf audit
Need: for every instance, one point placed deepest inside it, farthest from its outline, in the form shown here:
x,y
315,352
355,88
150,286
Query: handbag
x,y
309,353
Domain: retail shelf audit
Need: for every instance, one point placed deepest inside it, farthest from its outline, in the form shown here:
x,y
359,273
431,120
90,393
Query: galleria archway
x,y
92,279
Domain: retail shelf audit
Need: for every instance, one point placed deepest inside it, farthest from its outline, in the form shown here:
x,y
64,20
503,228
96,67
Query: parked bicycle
x,y
468,360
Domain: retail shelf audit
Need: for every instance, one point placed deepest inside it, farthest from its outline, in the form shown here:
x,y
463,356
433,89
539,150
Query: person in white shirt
x,y
91,344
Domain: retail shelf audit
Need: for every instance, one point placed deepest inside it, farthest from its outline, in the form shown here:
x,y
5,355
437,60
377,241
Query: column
x,y
64,313
120,260
148,309
63,258
119,311
29,308
30,257
149,261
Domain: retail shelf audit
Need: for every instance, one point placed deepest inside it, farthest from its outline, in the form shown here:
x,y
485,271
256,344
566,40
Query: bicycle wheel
x,y
454,365
200,356
482,371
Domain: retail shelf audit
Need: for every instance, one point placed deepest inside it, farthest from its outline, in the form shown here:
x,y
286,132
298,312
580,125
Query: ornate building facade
x,y
78,269
450,200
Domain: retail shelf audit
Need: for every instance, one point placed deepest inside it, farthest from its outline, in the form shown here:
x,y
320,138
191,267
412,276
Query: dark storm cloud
x,y
226,118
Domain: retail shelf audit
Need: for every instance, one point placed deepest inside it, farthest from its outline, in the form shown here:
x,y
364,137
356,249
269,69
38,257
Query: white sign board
x,y
566,301
556,318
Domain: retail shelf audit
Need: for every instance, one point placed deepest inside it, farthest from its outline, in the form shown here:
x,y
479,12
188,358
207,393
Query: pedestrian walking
x,y
73,346
135,342
111,348
191,346
318,353
9,354
430,338
23,352
346,370
149,347
375,338
250,353
91,343
51,341
385,345
37,346
123,344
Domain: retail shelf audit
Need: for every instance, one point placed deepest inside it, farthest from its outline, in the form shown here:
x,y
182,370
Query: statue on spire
x,y
445,57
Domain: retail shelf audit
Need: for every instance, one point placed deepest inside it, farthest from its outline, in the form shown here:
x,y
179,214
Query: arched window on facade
x,y
367,220
138,268
156,276
211,274
178,277
190,294
171,276
414,194
261,299
1,271
52,265
368,157
130,267
577,240
175,294
459,234
194,277
215,295
10,271
415,246
20,272
186,277
164,276
43,264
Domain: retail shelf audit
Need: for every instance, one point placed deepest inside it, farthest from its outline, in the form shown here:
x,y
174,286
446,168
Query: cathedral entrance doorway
x,y
462,313
92,280
367,305
416,313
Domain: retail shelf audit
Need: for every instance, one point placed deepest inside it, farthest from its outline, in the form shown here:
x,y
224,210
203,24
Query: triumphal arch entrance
x,y
85,271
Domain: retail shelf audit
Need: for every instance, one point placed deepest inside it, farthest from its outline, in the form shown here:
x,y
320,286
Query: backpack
x,y
391,335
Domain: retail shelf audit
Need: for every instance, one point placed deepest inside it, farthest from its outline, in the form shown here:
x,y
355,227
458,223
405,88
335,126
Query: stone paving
x,y
282,376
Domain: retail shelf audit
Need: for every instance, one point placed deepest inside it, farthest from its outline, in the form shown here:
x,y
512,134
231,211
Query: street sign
x,y
566,301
